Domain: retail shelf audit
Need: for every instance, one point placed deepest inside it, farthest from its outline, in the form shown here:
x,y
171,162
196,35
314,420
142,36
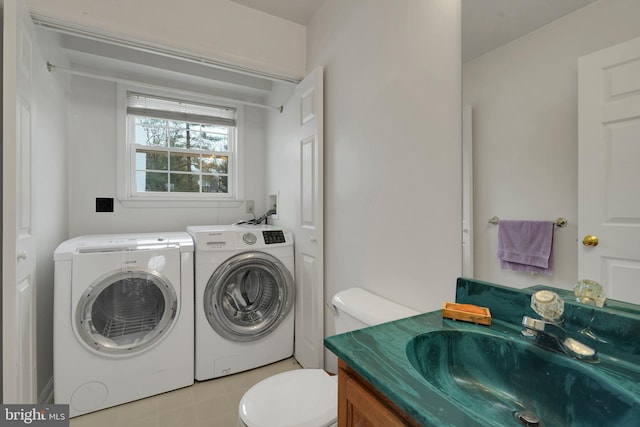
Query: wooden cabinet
x,y
362,405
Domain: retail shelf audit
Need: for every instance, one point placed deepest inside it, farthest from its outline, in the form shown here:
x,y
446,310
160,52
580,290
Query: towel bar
x,y
560,222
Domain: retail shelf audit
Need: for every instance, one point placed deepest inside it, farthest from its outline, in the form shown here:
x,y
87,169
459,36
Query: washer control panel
x,y
273,236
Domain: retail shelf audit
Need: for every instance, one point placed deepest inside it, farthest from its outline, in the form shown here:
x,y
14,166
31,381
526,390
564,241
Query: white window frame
x,y
126,174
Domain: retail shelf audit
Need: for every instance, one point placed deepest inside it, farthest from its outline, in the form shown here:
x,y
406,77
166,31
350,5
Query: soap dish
x,y
467,313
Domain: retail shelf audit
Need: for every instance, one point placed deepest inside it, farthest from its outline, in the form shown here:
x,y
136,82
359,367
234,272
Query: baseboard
x,y
46,395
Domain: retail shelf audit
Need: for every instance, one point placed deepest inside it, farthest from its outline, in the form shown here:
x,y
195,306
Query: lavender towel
x,y
526,245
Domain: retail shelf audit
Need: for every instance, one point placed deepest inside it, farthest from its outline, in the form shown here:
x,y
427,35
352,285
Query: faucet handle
x,y
589,292
548,305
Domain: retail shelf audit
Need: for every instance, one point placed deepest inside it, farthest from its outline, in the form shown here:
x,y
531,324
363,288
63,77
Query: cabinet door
x,y
361,405
363,409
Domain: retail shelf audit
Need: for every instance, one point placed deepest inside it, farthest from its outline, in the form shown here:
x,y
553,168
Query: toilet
x,y
309,397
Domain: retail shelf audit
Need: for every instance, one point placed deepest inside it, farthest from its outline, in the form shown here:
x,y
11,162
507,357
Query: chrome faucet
x,y
552,335
548,331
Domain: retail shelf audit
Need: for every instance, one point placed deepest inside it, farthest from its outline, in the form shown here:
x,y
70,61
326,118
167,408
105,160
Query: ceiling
x,y
486,24
298,11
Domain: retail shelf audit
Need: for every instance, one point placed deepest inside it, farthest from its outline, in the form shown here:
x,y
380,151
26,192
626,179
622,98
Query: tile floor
x,y
212,403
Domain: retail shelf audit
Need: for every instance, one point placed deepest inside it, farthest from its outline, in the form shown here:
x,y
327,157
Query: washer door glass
x,y
126,312
248,296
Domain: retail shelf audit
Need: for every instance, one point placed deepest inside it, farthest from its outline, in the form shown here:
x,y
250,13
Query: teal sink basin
x,y
494,378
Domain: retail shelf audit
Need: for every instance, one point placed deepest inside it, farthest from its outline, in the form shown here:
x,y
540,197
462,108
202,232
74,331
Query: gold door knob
x,y
590,240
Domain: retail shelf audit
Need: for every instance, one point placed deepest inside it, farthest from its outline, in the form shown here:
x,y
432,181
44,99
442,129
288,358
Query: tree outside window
x,y
180,156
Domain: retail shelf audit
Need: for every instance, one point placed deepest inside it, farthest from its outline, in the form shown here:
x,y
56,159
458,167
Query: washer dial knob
x,y
249,238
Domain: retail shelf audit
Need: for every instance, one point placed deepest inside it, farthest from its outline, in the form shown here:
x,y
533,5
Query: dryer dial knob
x,y
249,238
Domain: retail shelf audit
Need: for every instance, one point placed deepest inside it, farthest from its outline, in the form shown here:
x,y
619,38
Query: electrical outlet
x,y
104,204
250,208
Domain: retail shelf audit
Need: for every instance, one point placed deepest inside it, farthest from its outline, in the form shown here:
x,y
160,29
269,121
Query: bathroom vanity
x,y
429,371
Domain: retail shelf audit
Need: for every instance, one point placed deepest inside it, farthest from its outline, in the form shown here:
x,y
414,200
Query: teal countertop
x,y
379,355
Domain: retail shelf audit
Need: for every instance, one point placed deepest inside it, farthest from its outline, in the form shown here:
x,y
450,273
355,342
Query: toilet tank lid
x,y
369,308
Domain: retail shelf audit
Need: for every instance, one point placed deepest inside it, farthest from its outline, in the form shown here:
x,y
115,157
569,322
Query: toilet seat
x,y
303,397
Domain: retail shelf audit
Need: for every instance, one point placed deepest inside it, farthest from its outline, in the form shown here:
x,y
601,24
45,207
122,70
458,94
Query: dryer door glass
x,y
248,296
126,312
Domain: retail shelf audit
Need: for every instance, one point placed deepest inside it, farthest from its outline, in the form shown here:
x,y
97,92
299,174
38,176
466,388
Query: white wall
x,y
92,170
282,151
392,147
49,168
217,29
524,98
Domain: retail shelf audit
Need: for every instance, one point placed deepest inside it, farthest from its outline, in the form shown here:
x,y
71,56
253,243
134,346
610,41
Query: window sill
x,y
156,203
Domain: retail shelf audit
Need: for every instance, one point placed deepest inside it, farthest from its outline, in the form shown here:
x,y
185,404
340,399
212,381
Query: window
x,y
179,150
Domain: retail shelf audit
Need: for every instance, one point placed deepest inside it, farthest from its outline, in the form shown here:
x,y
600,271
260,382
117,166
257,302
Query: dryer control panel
x,y
273,236
243,237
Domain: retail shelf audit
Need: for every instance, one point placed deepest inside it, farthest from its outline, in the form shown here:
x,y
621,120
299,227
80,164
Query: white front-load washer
x,y
244,298
123,318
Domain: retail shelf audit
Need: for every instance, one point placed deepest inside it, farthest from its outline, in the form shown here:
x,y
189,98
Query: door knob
x,y
590,240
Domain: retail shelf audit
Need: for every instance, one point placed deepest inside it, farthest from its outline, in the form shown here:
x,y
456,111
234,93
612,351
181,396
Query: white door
x,y
18,245
309,316
609,169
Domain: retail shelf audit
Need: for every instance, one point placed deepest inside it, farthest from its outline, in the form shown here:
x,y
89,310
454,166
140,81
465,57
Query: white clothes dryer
x,y
123,318
244,297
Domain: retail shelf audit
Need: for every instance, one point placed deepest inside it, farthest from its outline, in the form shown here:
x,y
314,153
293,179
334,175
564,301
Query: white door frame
x,y
467,191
